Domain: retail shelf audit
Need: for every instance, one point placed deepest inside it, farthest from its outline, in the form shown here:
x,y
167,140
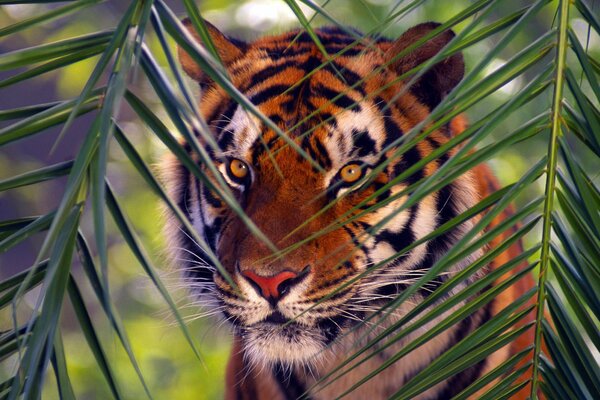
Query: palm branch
x,y
558,195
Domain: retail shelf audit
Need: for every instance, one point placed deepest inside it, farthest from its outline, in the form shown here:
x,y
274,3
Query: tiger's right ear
x,y
227,49
439,79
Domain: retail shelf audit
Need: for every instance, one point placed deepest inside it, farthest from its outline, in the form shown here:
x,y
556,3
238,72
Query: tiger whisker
x,y
191,252
193,241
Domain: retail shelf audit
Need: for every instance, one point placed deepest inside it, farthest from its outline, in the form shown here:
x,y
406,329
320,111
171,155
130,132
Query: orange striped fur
x,y
336,213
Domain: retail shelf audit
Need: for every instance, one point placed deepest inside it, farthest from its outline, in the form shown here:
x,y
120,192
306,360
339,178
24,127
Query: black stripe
x,y
283,50
329,118
182,203
240,44
341,100
392,129
439,245
363,225
442,158
348,52
268,93
377,186
352,79
222,115
323,153
269,72
290,385
199,195
363,142
446,208
301,37
294,98
338,295
187,147
195,272
398,241
362,246
425,264
259,147
406,236
192,270
296,93
353,237
409,158
311,64
225,140
210,197
330,327
276,119
338,35
225,294
210,232
317,152
392,290
330,284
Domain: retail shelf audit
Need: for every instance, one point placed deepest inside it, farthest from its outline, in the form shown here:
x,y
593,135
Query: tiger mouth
x,y
330,327
291,343
278,339
278,318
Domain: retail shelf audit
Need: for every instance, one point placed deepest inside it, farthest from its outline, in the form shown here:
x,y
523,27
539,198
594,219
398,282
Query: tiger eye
x,y
351,173
238,168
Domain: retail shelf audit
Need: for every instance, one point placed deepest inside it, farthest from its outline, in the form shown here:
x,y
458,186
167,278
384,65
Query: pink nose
x,y
271,287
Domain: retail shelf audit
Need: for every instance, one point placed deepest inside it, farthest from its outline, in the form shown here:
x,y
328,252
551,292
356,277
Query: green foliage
x,y
83,262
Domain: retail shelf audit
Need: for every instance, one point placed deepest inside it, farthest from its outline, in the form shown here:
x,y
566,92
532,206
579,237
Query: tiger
x,y
304,294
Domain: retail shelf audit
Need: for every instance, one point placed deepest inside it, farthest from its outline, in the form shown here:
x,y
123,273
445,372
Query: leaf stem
x,y
556,117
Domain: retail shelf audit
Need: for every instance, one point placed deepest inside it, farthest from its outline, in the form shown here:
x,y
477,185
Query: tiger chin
x,y
300,298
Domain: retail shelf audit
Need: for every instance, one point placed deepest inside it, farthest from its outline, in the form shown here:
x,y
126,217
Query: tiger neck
x,y
317,382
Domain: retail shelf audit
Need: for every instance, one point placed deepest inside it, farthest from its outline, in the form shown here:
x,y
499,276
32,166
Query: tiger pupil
x,y
351,173
238,168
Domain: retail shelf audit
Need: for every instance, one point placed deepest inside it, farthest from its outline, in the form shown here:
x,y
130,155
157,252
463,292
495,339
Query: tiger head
x,y
325,189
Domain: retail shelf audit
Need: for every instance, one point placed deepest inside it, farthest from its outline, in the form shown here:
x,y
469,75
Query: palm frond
x,y
557,193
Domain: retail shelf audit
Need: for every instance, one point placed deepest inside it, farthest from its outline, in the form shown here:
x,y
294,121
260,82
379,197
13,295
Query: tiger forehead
x,y
319,103
336,50
351,135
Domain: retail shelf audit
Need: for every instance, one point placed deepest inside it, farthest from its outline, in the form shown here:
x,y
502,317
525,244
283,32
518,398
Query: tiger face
x,y
325,194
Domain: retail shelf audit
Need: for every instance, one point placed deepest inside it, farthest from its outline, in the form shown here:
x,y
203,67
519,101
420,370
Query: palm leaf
x,y
560,222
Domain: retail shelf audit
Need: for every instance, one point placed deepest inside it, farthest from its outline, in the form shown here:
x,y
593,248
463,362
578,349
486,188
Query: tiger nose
x,y
273,287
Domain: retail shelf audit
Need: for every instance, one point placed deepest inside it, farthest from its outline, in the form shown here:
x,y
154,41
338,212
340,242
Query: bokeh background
x,y
169,366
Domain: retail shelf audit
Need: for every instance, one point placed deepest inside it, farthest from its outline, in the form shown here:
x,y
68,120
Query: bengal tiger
x,y
298,313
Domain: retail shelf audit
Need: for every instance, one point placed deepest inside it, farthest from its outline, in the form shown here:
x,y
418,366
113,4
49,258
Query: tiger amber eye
x,y
238,168
351,173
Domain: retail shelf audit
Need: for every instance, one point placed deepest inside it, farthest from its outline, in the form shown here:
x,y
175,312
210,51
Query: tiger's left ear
x,y
439,79
229,50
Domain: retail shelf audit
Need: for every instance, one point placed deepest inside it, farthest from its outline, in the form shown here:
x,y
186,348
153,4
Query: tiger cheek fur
x,y
295,310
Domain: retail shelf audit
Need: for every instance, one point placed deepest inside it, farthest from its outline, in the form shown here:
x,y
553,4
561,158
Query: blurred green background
x,y
169,366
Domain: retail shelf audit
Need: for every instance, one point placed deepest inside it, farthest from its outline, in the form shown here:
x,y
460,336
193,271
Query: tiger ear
x,y
227,49
442,77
